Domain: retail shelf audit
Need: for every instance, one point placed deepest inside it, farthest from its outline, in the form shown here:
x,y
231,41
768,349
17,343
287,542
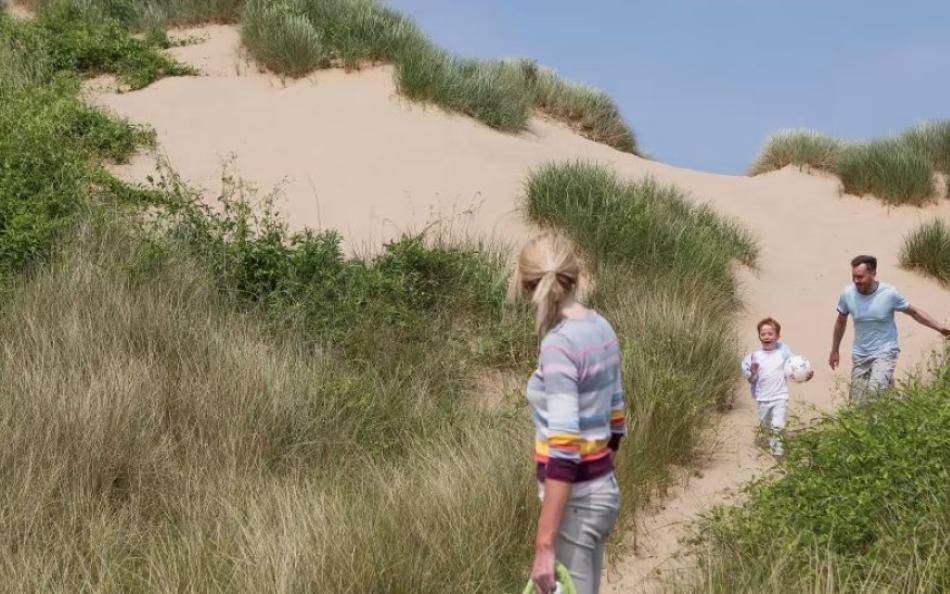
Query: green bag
x,y
563,578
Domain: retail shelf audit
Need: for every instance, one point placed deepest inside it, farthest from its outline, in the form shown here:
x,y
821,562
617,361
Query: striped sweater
x,y
576,399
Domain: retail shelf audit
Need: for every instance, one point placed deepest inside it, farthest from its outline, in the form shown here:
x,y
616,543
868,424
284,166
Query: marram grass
x,y
927,249
285,36
897,170
805,148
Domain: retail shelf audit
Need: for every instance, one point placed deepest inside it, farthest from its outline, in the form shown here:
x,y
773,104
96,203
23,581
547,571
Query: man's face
x,y
863,278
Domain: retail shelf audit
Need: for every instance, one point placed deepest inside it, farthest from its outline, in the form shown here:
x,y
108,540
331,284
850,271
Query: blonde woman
x,y
576,398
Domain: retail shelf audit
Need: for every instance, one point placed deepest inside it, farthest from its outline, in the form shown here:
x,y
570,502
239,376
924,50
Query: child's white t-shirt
x,y
771,383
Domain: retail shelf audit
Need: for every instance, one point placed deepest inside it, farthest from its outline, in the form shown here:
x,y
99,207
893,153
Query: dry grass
x,y
155,440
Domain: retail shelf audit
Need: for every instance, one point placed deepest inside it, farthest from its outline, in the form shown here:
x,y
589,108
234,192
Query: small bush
x,y
77,43
861,506
889,169
933,142
927,249
303,280
150,15
798,147
42,189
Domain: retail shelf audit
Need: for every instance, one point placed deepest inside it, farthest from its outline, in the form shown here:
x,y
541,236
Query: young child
x,y
765,371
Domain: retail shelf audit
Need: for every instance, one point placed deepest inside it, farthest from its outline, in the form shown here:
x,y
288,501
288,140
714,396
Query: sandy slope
x,y
353,156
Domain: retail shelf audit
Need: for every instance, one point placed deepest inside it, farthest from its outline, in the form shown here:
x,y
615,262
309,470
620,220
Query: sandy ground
x,y
351,155
18,10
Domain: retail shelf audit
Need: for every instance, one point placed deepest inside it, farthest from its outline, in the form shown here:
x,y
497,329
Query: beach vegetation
x,y
900,170
860,505
927,249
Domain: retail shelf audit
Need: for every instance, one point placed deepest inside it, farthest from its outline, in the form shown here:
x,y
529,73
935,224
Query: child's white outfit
x,y
770,390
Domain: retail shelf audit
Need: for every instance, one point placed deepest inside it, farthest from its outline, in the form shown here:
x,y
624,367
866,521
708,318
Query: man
x,y
872,305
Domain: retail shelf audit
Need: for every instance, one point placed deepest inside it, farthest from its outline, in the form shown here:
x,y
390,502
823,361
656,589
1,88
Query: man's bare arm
x,y
923,318
840,323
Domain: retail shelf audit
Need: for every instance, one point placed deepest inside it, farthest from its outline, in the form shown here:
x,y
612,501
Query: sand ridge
x,y
350,154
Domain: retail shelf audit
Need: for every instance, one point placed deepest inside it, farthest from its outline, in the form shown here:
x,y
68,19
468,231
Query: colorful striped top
x,y
576,398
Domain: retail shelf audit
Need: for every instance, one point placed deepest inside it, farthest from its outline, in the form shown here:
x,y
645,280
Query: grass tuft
x,y
805,148
927,249
932,141
641,224
897,170
281,38
890,170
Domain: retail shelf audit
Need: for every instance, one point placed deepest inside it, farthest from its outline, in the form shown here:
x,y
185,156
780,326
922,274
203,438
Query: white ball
x,y
798,368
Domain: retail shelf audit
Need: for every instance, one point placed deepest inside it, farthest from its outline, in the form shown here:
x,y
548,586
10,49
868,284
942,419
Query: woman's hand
x,y
542,572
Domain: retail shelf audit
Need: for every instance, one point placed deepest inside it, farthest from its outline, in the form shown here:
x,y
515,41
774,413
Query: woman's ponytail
x,y
548,271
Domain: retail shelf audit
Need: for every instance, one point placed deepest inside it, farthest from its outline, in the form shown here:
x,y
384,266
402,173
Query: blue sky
x,y
703,83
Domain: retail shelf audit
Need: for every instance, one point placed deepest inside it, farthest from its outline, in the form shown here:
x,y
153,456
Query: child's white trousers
x,y
772,420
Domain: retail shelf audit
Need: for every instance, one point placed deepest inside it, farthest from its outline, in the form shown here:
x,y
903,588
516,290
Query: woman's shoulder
x,y
578,333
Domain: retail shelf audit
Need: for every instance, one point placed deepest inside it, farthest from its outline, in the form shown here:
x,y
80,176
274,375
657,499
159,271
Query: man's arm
x,y
840,323
923,318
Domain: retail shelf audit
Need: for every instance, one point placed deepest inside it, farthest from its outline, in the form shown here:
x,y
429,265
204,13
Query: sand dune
x,y
351,155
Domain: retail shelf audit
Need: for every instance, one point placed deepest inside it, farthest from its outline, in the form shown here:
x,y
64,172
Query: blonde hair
x,y
548,270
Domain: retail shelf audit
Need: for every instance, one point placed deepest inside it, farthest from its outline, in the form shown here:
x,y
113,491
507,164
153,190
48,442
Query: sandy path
x,y
351,155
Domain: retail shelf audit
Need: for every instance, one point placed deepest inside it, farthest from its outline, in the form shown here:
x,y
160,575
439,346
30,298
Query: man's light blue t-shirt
x,y
875,332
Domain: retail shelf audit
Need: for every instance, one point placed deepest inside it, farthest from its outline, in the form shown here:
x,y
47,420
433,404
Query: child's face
x,y
768,336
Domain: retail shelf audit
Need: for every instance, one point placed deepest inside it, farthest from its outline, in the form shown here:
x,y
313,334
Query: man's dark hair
x,y
869,261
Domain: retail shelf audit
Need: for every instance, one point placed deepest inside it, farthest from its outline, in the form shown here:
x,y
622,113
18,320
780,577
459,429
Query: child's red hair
x,y
770,321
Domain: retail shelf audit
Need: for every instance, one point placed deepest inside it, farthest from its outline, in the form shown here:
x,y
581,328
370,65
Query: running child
x,y
765,371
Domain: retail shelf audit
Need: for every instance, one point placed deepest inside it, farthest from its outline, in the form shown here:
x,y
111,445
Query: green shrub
x,y
798,147
933,142
149,15
927,249
302,279
42,189
862,505
79,44
889,169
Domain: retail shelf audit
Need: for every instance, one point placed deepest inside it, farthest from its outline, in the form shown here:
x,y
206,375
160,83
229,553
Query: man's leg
x,y
881,376
860,377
